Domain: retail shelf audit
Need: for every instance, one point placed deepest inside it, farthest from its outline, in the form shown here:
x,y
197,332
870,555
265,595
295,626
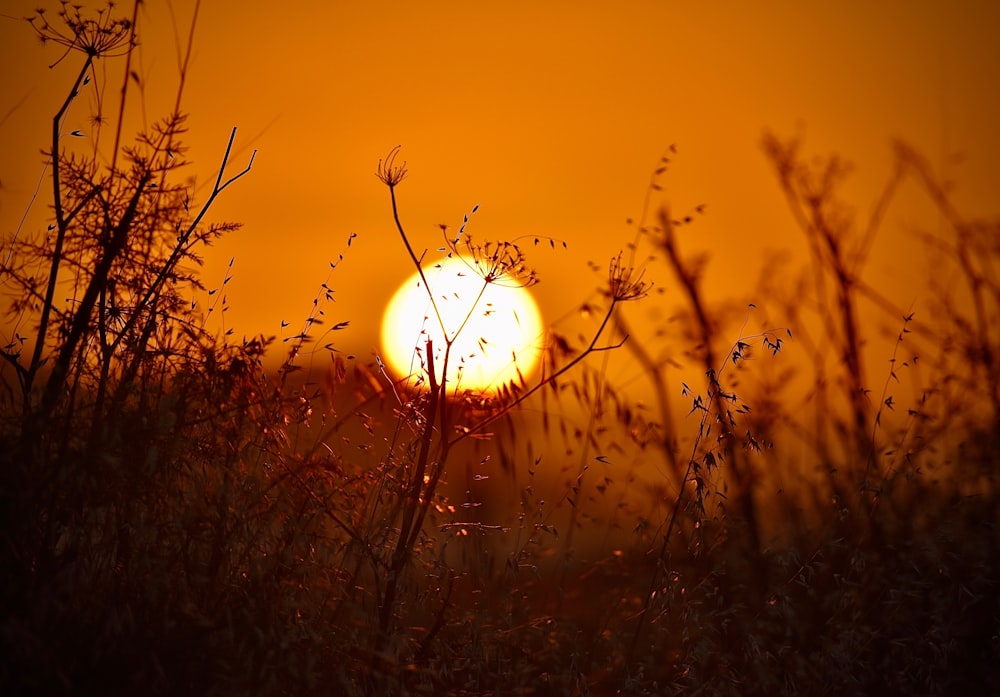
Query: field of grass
x,y
179,518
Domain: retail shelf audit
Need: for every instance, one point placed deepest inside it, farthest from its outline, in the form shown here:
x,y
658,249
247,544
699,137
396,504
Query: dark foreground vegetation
x,y
177,519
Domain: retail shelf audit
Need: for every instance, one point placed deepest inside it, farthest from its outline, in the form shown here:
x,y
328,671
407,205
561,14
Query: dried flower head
x,y
388,172
624,283
96,37
502,263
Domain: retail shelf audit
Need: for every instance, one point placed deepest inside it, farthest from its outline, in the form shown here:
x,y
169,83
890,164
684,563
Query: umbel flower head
x,y
388,172
503,263
624,283
96,37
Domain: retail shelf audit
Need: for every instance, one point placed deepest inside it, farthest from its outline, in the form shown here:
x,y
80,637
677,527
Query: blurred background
x,y
175,520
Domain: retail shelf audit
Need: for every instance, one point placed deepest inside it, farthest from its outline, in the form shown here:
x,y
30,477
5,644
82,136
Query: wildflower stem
x,y
61,225
125,82
413,256
592,347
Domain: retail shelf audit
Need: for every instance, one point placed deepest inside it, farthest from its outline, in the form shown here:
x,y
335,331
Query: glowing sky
x,y
551,116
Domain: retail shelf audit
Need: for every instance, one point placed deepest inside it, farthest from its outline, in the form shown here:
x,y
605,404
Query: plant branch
x,y
61,224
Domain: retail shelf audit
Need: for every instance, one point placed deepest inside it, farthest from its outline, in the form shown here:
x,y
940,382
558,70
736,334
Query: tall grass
x,y
179,518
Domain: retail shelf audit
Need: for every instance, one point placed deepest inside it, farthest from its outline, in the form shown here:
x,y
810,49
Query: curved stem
x,y
61,226
414,258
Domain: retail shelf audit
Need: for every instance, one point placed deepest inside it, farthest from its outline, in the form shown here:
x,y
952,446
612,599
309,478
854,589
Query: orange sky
x,y
551,116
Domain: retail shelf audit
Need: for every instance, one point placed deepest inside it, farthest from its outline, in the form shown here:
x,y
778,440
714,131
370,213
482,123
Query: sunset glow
x,y
495,329
275,416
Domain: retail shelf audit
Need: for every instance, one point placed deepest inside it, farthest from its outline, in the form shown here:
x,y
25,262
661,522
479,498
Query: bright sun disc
x,y
502,335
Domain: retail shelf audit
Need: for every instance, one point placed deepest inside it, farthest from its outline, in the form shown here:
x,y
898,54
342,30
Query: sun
x,y
495,329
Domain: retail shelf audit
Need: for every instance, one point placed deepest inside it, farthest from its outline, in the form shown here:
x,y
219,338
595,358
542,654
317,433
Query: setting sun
x,y
495,328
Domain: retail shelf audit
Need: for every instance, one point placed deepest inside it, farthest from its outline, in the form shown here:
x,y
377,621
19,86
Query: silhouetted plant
x,y
179,517
432,418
